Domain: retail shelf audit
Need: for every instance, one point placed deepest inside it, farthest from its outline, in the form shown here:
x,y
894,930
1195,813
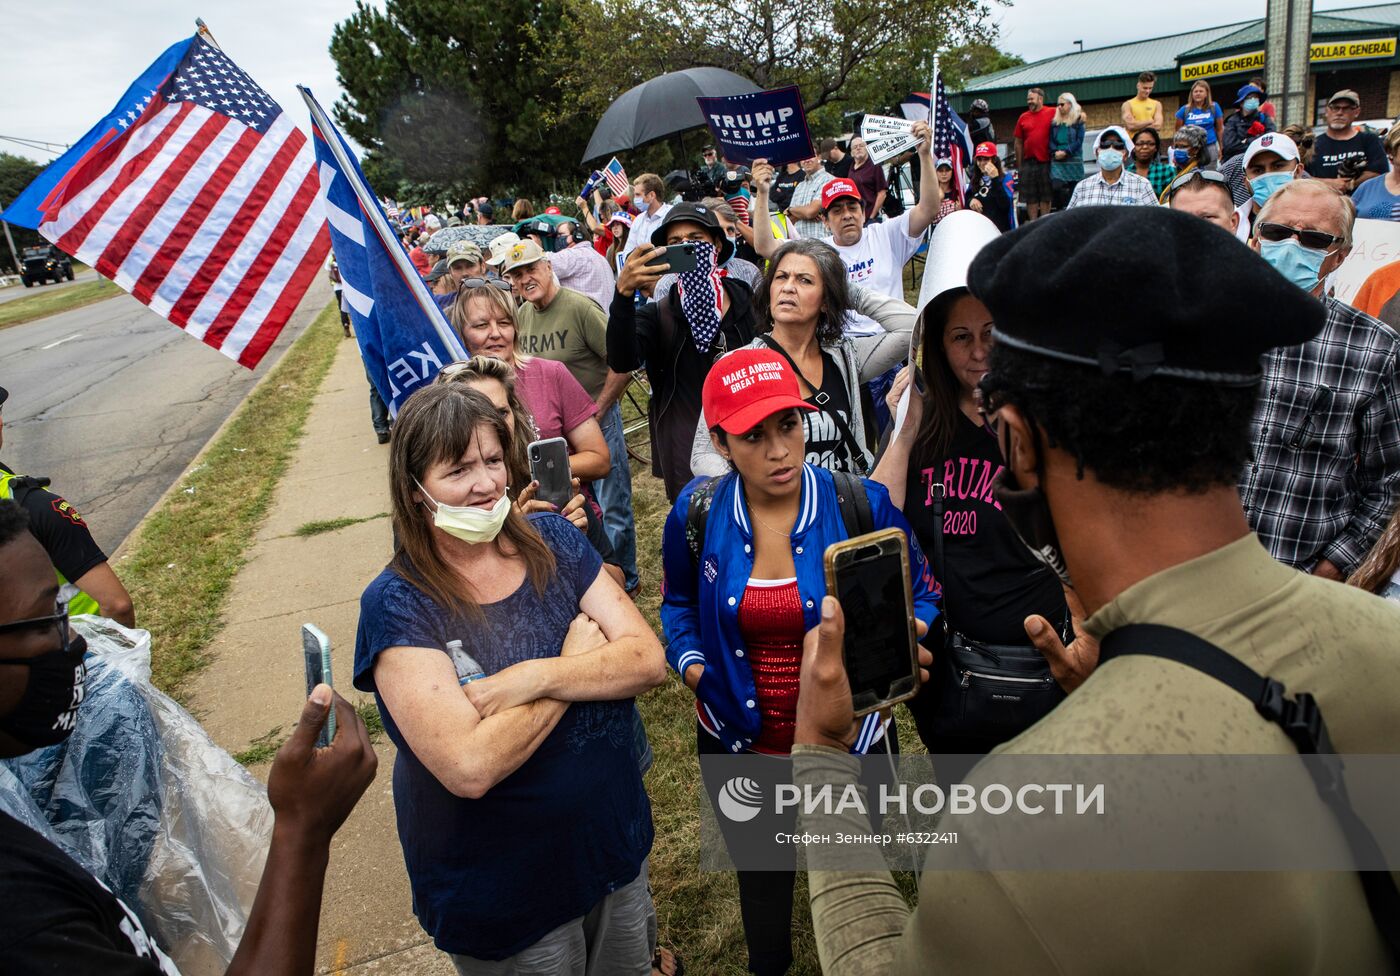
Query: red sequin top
x,y
770,620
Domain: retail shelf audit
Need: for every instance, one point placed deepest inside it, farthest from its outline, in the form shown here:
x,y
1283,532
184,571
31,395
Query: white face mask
x,y
467,522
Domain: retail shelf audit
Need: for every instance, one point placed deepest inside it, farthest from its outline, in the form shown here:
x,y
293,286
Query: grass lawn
x,y
50,301
180,568
697,911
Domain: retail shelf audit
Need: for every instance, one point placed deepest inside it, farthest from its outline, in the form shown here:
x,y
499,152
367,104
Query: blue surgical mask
x,y
1251,105
1263,187
1180,157
1110,159
1300,265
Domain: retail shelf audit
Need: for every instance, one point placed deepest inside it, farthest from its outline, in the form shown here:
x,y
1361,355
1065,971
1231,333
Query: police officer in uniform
x,y
87,581
1124,437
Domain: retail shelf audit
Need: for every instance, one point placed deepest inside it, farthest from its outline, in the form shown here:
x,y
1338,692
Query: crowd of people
x,y
1218,459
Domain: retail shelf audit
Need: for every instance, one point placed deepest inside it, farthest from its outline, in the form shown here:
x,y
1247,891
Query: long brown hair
x,y
438,423
477,368
836,291
1382,561
941,386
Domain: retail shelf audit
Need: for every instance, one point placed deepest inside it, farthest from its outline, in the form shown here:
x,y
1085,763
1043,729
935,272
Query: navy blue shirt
x,y
492,876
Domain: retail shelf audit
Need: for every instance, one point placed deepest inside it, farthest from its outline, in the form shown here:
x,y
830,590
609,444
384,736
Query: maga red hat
x,y
836,189
748,386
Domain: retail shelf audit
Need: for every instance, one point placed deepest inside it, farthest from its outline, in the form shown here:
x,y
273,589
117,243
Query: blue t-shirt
x,y
1374,202
492,876
1204,117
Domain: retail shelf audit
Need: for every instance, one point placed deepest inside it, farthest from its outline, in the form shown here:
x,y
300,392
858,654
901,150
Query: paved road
x,y
19,291
112,402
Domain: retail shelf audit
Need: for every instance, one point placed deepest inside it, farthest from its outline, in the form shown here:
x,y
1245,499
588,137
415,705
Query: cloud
x,y
58,82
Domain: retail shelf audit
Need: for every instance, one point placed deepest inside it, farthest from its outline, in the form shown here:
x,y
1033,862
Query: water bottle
x,y
466,666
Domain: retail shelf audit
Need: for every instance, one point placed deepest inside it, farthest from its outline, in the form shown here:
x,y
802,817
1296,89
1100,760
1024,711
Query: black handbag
x,y
982,691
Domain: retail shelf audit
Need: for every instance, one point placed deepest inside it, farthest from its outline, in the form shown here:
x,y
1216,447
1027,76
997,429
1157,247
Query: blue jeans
x,y
614,494
378,409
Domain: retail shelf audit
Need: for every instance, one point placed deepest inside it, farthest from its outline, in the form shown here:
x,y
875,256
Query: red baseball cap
x,y
838,188
553,211
746,387
985,150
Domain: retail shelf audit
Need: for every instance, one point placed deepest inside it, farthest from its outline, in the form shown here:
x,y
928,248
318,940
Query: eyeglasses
x,y
59,619
1314,240
1208,175
482,283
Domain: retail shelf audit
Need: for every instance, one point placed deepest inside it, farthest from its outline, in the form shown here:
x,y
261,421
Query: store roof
x,y
1162,53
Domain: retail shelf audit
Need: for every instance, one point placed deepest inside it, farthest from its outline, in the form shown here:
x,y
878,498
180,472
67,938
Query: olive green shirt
x,y
1337,642
573,330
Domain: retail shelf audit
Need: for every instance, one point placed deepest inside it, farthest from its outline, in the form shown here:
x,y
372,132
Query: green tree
x,y
454,96
845,55
964,62
16,172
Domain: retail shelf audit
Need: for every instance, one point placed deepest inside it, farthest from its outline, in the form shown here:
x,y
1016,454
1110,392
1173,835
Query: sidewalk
x,y
255,684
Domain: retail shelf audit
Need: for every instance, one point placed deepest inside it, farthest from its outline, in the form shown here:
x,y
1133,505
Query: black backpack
x,y
850,496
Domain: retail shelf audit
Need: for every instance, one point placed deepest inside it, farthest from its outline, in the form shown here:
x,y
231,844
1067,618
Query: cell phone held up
x,y
549,465
869,576
316,652
677,258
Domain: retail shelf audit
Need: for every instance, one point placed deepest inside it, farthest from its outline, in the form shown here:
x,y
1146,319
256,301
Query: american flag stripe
x,y
177,261
280,293
101,187
123,239
205,207
220,261
154,250
254,267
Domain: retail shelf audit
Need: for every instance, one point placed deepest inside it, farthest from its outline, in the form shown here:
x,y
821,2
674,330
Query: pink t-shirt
x,y
552,395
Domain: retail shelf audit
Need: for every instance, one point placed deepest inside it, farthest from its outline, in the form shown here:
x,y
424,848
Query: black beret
x,y
1142,290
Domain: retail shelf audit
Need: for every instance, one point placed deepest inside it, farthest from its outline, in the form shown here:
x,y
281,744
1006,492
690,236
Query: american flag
x,y
616,178
204,207
950,136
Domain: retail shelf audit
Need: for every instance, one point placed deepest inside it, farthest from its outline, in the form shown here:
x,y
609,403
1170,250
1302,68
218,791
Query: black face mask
x,y
48,710
1029,514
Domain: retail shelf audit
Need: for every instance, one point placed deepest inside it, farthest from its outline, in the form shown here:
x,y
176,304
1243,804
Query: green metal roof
x,y
1161,54
1323,25
1156,54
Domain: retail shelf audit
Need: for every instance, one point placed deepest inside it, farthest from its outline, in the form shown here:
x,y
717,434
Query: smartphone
x,y
316,651
678,259
869,575
549,465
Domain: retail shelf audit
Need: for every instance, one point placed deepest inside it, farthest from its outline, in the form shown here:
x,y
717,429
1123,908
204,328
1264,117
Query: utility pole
x,y
19,268
1287,46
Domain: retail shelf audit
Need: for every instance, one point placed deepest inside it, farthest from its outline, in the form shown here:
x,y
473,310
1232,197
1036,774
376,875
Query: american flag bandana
x,y
701,292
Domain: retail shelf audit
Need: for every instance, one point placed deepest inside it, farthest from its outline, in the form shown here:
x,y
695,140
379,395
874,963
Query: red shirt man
x,y
1033,129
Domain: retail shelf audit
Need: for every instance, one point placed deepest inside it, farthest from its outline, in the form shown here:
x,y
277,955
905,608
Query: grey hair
x,y
721,207
1346,209
1194,137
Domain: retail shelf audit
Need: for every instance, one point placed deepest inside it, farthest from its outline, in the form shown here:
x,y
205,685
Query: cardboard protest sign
x,y
886,136
1375,243
769,125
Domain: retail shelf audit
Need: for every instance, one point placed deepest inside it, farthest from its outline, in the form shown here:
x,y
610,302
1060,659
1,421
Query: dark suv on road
x,y
45,263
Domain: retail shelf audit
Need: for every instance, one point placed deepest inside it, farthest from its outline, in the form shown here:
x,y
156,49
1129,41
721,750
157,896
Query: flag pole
x,y
202,29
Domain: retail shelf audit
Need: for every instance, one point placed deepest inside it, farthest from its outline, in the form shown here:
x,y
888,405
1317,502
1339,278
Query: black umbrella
x,y
661,107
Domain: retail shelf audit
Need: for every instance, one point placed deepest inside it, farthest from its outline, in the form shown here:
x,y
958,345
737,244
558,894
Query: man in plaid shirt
x,y
1326,471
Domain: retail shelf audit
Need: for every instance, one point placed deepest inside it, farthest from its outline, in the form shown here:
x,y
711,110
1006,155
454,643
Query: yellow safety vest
x,y
78,601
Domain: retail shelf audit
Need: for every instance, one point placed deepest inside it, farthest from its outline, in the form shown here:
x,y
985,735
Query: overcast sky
x,y
66,62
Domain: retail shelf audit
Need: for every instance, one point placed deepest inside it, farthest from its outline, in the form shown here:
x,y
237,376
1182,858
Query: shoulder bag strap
x,y
697,513
1301,720
937,491
854,503
820,398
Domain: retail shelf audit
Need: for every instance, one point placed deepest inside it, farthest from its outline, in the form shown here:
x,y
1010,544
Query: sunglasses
x,y
482,283
1208,175
58,619
1314,240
